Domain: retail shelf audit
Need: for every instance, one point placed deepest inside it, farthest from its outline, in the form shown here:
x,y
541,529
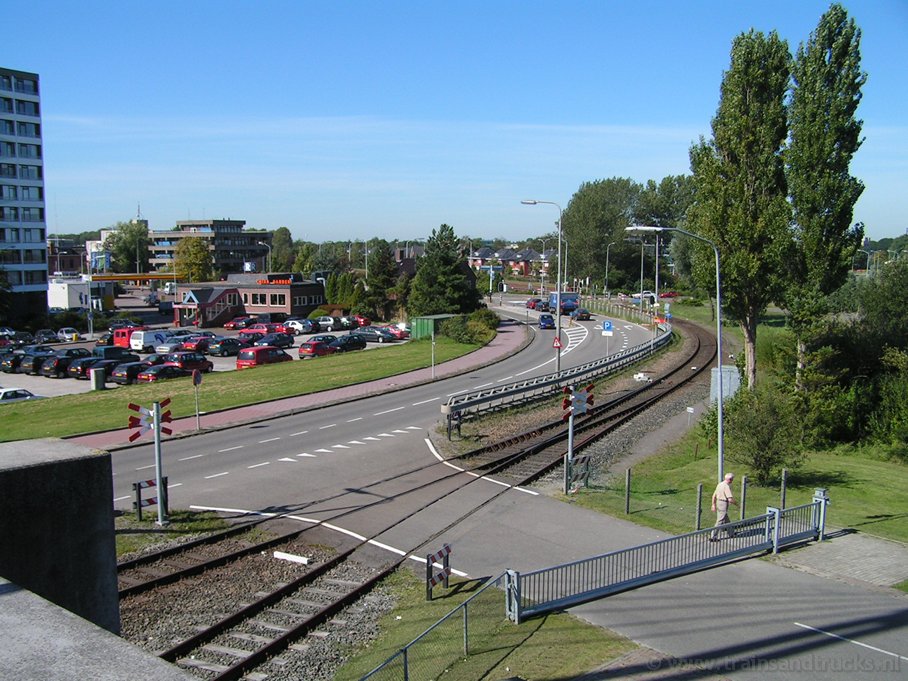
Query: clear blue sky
x,y
351,120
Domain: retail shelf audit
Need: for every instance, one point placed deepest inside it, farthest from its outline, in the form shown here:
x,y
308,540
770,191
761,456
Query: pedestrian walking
x,y
722,497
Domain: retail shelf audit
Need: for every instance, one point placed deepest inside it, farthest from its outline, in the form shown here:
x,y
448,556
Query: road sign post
x,y
197,381
142,423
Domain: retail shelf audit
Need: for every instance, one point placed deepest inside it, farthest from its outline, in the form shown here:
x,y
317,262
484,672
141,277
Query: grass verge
x,y
867,493
133,535
498,649
105,410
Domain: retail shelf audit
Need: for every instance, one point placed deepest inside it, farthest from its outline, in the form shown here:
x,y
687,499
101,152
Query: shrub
x,y
486,317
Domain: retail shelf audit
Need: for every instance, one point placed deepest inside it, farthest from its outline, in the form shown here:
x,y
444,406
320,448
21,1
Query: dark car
x,y
312,348
189,360
546,321
104,340
278,340
154,359
226,346
542,306
533,302
374,334
581,314
125,374
162,372
347,343
122,324
45,336
81,368
324,338
32,358
56,366
239,322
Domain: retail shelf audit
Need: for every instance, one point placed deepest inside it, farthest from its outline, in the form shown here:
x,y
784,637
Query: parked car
x,y
260,355
115,352
398,331
67,334
324,338
330,323
348,343
542,306
190,361
225,346
121,324
533,302
278,340
581,314
361,320
240,322
81,368
161,372
260,327
249,337
172,344
155,358
8,395
104,340
147,340
45,336
374,334
546,321
312,348
126,374
32,358
669,294
56,366
298,326
198,343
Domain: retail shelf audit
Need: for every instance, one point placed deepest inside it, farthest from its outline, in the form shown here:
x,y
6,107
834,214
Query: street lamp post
x,y
534,202
720,444
606,267
268,246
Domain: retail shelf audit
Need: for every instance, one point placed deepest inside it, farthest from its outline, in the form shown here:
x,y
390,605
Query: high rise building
x,y
23,227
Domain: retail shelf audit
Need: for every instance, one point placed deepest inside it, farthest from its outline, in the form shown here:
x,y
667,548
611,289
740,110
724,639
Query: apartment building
x,y
23,227
232,248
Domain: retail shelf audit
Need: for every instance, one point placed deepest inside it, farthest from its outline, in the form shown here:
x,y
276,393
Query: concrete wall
x,y
57,532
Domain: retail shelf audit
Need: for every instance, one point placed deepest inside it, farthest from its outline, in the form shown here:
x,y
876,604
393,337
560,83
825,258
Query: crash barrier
x,y
562,586
508,394
141,503
462,635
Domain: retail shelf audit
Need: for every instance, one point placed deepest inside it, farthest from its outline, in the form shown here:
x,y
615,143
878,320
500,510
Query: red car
x,y
189,361
398,332
239,322
314,349
197,343
162,372
668,294
362,321
261,328
532,302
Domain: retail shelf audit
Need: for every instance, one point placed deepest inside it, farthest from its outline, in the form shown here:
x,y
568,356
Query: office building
x,y
233,249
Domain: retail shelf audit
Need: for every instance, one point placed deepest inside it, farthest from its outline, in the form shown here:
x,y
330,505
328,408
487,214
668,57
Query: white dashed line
x,y
216,475
145,467
387,411
332,425
311,456
356,419
302,432
189,458
339,447
457,393
416,404
270,439
355,442
851,640
257,465
230,449
287,458
484,385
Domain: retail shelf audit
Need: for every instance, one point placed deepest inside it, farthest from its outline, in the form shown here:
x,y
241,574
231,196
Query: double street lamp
x,y
720,434
534,202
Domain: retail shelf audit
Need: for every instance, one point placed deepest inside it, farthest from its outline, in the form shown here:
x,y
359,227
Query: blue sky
x,y
352,120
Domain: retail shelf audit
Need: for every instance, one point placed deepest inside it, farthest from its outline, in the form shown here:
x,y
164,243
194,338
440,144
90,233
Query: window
x,y
35,277
26,108
7,127
6,83
259,299
29,130
278,299
7,170
30,193
9,257
32,214
7,192
30,172
245,299
30,150
27,85
8,214
6,105
8,149
33,256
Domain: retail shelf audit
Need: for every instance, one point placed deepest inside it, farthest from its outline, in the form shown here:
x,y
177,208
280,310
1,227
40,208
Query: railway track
x,y
283,608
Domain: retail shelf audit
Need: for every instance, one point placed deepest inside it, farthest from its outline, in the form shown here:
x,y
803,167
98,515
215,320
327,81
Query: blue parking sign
x,y
606,325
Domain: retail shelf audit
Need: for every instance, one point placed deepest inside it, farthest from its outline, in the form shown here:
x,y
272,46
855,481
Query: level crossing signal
x,y
577,400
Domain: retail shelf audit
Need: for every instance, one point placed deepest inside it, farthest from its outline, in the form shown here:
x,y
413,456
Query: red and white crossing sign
x,y
556,343
142,421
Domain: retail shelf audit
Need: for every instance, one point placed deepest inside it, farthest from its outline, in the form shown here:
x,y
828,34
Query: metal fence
x,y
466,634
562,586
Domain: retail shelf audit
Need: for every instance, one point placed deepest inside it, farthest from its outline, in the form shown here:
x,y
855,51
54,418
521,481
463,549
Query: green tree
x,y
282,255
741,197
665,204
824,136
305,258
441,284
379,294
193,260
128,246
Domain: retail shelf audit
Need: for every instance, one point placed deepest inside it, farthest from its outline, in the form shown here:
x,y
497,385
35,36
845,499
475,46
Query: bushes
x,y
478,327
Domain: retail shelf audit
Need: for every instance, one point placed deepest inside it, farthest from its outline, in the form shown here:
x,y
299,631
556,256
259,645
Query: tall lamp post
x,y
268,246
720,444
534,202
606,267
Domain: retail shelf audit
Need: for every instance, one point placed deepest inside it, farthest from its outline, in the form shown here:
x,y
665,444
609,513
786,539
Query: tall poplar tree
x,y
741,197
824,136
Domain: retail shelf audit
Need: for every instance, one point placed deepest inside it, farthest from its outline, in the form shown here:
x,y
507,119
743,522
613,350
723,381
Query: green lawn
x,y
104,410
867,493
498,648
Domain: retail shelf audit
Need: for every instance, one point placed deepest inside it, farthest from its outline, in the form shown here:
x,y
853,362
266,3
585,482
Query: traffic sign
x,y
556,343
196,377
606,325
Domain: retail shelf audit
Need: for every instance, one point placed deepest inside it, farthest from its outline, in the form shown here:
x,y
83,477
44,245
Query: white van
x,y
145,341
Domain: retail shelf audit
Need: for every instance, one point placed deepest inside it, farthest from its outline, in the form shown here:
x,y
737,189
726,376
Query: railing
x,y
555,588
465,632
503,395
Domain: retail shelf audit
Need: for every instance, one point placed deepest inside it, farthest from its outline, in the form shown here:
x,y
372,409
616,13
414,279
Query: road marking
x,y
385,435
302,432
371,439
484,385
257,465
387,411
312,456
287,458
339,447
230,449
475,475
176,484
413,428
506,378
457,393
328,426
189,458
416,404
216,475
355,442
145,467
399,431
851,640
360,418
124,498
324,451
270,439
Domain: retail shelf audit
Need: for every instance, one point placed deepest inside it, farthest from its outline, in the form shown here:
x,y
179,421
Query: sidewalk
x,y
511,338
